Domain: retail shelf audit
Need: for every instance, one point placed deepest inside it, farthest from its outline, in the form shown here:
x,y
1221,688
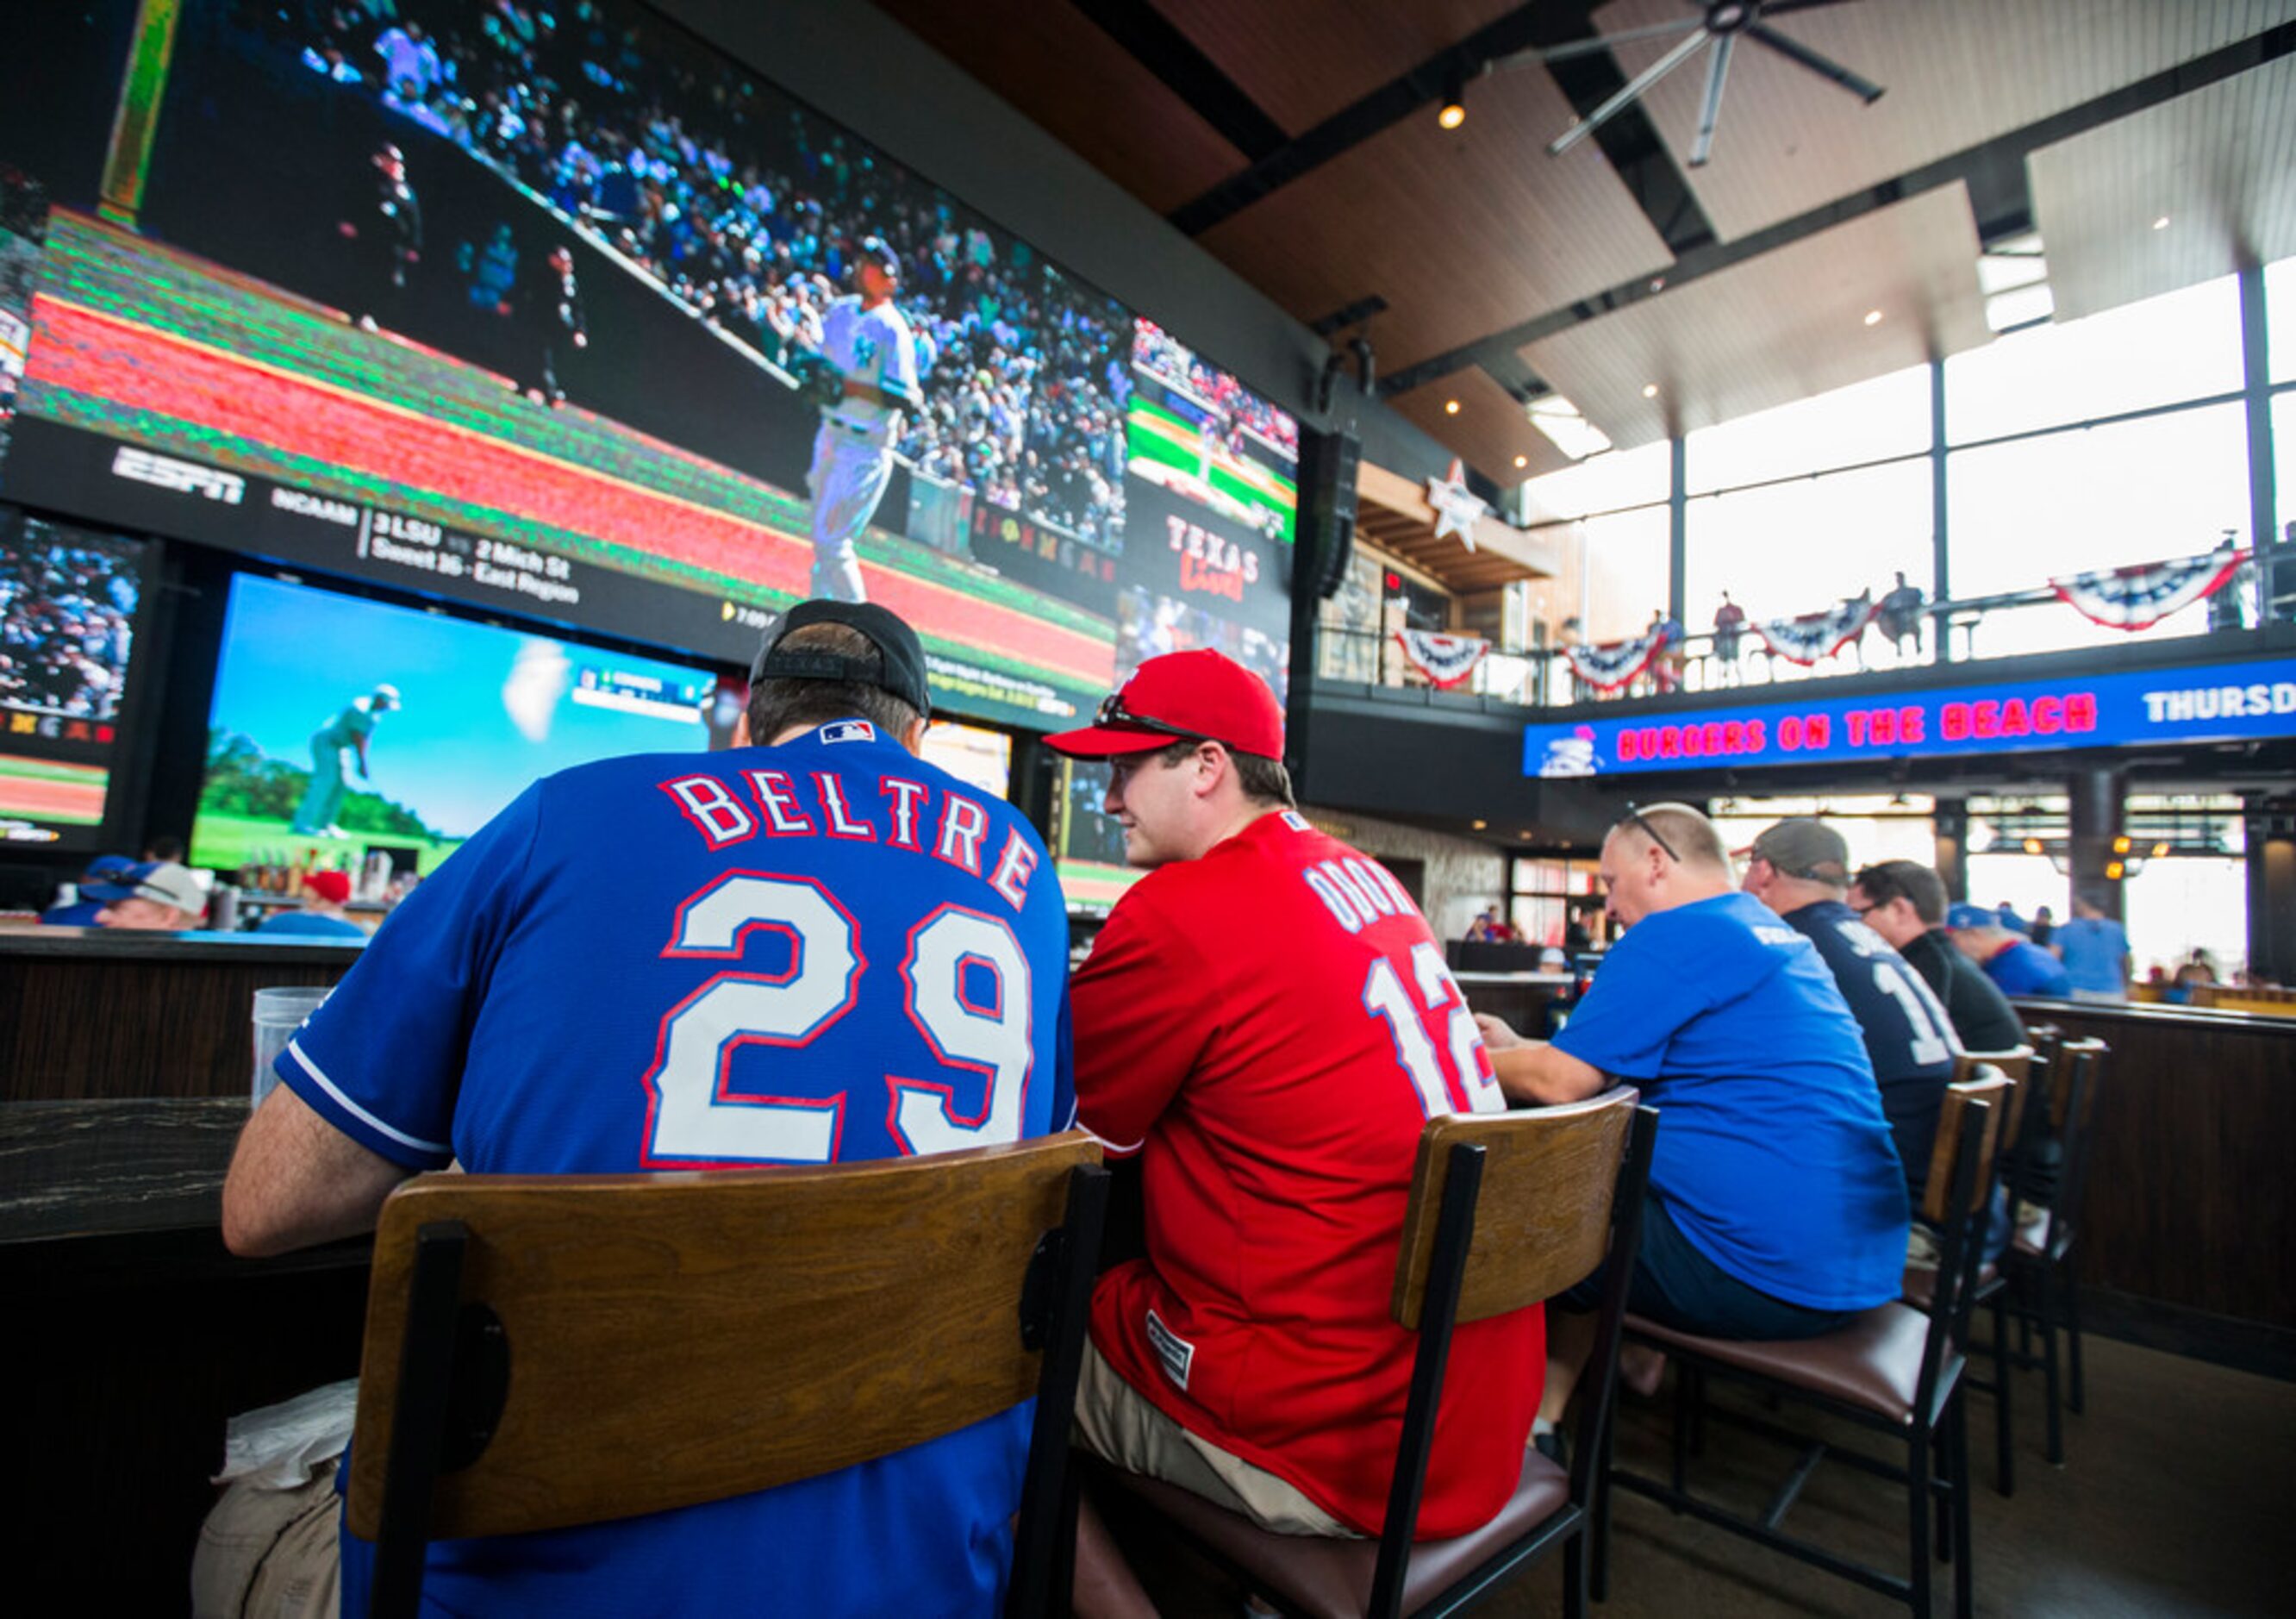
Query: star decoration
x,y
1457,509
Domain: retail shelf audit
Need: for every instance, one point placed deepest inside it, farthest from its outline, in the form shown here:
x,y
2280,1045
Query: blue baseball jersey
x,y
2022,967
819,952
1772,1156
1909,1038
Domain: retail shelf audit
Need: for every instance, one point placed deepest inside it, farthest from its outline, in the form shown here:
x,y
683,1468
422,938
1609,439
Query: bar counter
x,y
88,1013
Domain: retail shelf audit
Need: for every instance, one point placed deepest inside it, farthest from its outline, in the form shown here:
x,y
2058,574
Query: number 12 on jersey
x,y
1384,996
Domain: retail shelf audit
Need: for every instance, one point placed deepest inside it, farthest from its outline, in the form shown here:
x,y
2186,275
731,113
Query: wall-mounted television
x,y
451,718
510,306
71,605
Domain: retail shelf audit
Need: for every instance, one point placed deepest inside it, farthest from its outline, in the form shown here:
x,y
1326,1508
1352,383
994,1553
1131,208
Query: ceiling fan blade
x,y
1628,92
1569,48
1711,112
1825,67
1780,8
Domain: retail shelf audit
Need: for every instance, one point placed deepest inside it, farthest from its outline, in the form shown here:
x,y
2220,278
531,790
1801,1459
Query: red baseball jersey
x,y
1271,1027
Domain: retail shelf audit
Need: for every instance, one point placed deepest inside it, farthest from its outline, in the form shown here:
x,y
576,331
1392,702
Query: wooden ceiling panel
x,y
1957,73
1781,327
1302,61
1063,71
1490,429
2219,165
1392,512
1463,231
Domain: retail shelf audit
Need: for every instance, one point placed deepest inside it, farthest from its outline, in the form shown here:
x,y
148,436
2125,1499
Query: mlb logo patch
x,y
1295,820
849,730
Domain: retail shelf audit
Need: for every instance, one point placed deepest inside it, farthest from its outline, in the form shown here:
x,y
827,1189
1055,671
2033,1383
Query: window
x,y
1626,571
2184,345
1869,421
2034,509
1789,548
1545,893
1608,482
2280,318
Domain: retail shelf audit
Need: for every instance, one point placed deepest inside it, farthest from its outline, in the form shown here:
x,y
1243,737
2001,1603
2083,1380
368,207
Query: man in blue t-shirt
x,y
1800,869
1777,1207
815,949
2095,951
2011,960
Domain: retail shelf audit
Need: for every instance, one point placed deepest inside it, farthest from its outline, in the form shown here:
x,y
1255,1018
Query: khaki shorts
x,y
1120,1424
267,1553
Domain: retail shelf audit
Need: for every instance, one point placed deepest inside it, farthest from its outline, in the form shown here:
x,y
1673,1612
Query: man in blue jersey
x,y
812,947
2095,951
1800,869
2010,959
1777,1207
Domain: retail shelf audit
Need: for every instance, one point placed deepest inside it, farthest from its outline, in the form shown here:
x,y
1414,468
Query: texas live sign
x,y
2207,702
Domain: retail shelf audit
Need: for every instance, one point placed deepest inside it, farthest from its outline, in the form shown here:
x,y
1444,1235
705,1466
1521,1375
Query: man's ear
x,y
741,729
913,738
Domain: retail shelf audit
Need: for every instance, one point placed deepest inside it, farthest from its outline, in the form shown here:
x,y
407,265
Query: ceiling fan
x,y
1721,23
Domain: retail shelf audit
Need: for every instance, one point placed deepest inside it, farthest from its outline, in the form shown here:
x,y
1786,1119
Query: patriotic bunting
x,y
2139,598
1817,635
1445,660
1611,665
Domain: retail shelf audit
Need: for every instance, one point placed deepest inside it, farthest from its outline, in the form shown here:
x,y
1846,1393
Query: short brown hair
x,y
782,702
1263,780
1906,880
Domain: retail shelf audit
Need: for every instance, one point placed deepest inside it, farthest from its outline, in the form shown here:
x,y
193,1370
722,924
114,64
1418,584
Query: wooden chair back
x,y
2015,1067
1542,1216
1994,1090
629,1344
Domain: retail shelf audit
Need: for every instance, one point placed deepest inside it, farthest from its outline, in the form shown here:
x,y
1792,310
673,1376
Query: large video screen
x,y
68,606
341,724
559,311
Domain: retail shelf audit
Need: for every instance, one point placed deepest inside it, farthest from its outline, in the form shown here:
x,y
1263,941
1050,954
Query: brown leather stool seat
x,y
1331,1579
1873,1363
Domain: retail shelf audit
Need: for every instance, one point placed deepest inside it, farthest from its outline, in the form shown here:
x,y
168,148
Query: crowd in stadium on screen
x,y
745,210
1165,358
65,613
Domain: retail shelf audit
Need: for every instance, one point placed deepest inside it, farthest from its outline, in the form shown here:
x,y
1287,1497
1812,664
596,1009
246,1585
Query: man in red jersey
x,y
1268,1022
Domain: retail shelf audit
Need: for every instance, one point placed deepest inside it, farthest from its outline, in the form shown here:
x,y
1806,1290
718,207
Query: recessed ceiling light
x,y
1450,407
1873,317
1650,390
1522,834
1479,825
2161,224
1523,460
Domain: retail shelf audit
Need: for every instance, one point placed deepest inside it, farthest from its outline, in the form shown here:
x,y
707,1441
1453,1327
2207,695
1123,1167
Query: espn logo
x,y
164,472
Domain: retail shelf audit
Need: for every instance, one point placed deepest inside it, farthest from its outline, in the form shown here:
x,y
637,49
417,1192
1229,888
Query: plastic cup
x,y
278,1013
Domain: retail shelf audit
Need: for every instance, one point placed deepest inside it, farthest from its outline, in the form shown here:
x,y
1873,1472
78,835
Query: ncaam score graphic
x,y
562,314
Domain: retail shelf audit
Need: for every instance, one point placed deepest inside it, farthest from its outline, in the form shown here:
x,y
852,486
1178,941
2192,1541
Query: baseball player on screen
x,y
865,377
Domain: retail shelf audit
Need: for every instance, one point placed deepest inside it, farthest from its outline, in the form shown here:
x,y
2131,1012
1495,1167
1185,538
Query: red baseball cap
x,y
1182,693
332,886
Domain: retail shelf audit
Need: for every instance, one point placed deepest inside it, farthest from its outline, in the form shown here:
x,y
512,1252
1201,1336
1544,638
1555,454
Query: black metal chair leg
x,y
1917,1513
2076,1386
1941,1472
2004,1432
1574,1574
1685,1384
2053,1385
1964,1572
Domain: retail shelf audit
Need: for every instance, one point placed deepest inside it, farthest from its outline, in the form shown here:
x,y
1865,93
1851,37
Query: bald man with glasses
x,y
1777,1204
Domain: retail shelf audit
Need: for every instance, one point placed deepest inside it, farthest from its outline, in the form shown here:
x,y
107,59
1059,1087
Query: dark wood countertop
x,y
2155,1013
115,944
90,1189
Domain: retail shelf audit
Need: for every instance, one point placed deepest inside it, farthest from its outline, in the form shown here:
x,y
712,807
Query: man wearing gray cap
x,y
811,948
155,897
1800,869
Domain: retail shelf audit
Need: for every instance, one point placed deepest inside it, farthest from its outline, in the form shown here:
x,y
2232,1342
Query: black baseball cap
x,y
899,667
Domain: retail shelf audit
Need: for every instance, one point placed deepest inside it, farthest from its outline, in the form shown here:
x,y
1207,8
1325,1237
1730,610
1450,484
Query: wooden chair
x,y
1506,1210
2041,1261
2017,1067
1895,1369
897,1301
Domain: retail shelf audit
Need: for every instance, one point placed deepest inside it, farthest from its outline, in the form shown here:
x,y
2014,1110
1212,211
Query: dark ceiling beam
x,y
1993,170
1159,45
1544,22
